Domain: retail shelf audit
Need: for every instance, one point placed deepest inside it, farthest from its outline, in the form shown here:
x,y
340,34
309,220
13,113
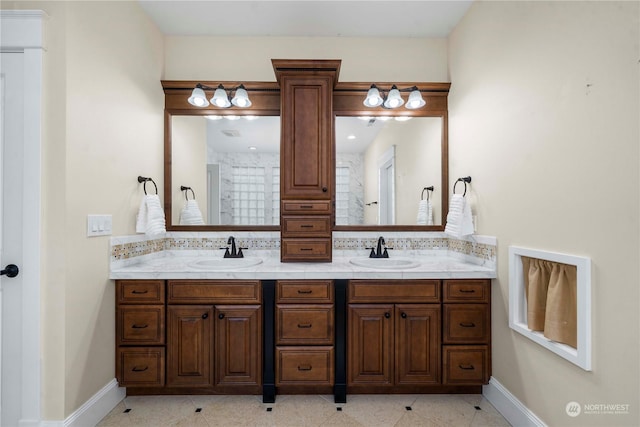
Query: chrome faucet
x,y
233,254
378,251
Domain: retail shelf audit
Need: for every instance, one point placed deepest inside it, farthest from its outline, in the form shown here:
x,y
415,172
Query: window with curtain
x,y
551,293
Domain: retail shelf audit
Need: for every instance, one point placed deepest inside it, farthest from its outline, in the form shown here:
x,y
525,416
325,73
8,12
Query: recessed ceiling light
x,y
252,148
351,137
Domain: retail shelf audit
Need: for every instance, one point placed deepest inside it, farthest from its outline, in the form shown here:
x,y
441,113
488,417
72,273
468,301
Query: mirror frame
x,y
265,98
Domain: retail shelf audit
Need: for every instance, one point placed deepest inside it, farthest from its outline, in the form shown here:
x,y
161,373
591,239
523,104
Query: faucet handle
x,y
385,254
240,254
373,252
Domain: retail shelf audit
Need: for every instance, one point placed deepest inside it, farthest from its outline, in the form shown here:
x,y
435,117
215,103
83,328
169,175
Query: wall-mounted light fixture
x,y
221,98
393,99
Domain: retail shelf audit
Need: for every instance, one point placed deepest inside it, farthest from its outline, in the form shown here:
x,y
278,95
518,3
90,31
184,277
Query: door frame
x,y
23,32
387,187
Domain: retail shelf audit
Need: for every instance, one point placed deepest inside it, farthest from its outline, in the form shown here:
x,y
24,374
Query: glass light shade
x,y
220,98
373,98
394,100
241,98
415,100
198,98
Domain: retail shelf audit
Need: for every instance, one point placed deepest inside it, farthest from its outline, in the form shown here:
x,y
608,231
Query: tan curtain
x,y
552,299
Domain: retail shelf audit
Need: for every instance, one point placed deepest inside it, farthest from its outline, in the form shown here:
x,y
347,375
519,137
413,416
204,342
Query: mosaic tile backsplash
x,y
475,249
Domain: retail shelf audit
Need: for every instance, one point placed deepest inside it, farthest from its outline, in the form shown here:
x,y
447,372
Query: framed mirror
x,y
380,175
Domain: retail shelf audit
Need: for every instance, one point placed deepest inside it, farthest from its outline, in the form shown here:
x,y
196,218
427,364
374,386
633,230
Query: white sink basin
x,y
225,263
385,263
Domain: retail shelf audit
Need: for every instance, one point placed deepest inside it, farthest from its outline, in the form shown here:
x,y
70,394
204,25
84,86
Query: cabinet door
x,y
370,344
307,137
417,343
189,341
238,344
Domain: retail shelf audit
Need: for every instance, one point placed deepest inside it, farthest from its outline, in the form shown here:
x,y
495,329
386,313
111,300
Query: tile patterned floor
x,y
305,410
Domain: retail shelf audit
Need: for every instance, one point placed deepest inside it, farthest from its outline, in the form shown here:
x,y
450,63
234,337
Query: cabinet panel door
x,y
238,344
417,343
370,344
307,137
189,340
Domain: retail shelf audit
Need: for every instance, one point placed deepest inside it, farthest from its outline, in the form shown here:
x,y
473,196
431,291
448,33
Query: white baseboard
x,y
94,409
509,406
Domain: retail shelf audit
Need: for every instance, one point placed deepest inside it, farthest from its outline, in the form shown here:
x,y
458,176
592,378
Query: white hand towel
x,y
151,216
459,220
190,214
425,213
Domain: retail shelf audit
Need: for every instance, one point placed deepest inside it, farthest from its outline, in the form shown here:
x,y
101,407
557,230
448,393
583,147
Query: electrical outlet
x,y
98,225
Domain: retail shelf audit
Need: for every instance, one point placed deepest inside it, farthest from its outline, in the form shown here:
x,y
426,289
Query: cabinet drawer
x,y
466,291
395,291
304,324
297,207
306,249
306,226
140,366
466,323
304,291
140,291
465,364
213,291
140,325
304,365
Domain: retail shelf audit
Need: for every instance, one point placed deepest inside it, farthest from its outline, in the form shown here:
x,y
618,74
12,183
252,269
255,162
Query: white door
x,y
21,65
11,137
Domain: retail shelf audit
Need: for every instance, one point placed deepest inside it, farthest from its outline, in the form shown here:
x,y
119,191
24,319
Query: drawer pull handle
x,y
137,369
304,325
468,325
304,368
139,326
467,291
306,206
305,291
466,367
140,292
306,226
306,249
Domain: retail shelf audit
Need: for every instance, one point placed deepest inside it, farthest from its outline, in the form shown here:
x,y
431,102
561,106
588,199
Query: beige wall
x,y
249,58
544,114
103,126
189,163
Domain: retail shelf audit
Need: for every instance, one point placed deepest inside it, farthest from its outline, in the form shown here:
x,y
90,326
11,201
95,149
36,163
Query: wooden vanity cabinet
x,y
307,182
304,336
189,336
393,337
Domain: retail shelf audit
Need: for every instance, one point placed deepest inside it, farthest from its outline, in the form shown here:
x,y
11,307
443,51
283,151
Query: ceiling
x,y
307,18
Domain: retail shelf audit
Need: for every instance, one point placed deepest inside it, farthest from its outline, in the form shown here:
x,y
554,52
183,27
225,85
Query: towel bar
x,y
423,190
142,179
186,194
464,180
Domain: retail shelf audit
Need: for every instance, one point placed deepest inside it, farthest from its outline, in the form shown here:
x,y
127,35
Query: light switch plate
x,y
98,225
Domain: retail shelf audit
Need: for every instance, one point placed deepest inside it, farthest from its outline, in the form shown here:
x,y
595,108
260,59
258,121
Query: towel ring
x,y
186,192
145,180
423,190
464,180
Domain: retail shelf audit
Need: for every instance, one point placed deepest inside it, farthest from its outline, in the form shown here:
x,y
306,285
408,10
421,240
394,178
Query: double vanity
x,y
317,302
192,322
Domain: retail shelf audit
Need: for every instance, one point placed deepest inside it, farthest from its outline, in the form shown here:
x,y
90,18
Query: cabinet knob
x,y
403,315
387,315
325,189
204,316
221,316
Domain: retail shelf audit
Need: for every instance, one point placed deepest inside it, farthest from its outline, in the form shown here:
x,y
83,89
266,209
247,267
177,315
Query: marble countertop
x,y
270,268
